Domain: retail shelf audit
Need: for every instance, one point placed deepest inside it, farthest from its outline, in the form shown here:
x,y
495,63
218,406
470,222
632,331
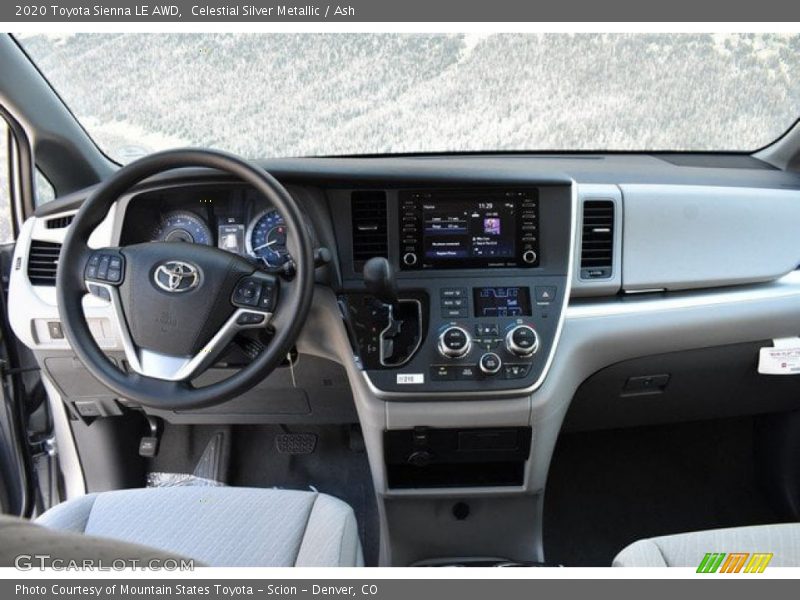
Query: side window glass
x,y
43,189
6,228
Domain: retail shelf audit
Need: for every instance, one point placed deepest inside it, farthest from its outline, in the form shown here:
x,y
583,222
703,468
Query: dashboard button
x,y
515,371
453,293
486,329
452,302
454,342
529,256
522,340
442,373
490,363
545,294
454,313
55,330
466,372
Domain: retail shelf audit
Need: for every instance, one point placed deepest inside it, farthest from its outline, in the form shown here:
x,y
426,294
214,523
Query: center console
x,y
453,295
488,269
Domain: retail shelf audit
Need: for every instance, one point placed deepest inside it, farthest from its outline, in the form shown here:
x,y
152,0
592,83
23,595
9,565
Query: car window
x,y
6,229
43,189
265,95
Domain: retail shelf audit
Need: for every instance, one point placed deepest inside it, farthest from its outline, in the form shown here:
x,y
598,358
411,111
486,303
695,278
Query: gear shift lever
x,y
380,280
398,321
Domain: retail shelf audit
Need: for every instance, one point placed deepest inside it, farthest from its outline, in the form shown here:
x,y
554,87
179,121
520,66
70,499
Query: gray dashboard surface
x,y
682,237
619,168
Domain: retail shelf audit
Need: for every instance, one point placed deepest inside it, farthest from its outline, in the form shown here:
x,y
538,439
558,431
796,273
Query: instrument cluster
x,y
235,220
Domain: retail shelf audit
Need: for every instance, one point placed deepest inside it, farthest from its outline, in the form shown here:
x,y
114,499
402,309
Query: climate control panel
x,y
481,338
504,349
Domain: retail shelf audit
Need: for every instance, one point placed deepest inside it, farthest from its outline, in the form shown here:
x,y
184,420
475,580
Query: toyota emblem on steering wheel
x,y
176,276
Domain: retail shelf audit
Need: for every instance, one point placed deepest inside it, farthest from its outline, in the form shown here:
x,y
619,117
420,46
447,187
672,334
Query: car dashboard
x,y
536,294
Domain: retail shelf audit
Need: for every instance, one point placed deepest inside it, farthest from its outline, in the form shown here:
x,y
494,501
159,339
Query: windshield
x,y
265,95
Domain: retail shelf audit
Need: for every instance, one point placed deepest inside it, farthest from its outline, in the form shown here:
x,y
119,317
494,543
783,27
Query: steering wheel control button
x,y
105,266
515,371
100,292
454,342
102,269
247,292
522,340
259,291
114,269
490,363
249,318
268,296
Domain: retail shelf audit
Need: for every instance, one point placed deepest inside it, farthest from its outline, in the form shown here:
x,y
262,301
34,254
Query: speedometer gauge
x,y
266,238
182,227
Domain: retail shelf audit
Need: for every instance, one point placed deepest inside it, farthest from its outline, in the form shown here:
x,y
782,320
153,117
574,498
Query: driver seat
x,y
220,526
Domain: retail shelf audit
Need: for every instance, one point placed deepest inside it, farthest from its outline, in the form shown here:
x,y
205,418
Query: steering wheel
x,y
176,306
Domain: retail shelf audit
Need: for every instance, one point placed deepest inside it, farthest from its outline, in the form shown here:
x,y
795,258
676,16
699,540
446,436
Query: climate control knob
x,y
454,342
522,340
490,363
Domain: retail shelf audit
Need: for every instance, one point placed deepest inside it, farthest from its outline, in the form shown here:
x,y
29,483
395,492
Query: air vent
x,y
597,248
59,222
43,262
368,212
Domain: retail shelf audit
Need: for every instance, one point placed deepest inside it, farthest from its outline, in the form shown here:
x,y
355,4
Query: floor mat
x,y
608,489
332,468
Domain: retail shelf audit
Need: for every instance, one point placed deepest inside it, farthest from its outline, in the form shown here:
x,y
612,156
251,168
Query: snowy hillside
x,y
287,95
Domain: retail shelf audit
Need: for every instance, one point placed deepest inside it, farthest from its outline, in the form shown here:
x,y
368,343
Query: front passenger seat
x,y
688,549
221,526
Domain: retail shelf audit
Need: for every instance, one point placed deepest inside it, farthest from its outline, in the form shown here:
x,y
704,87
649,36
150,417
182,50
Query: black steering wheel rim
x,y
71,287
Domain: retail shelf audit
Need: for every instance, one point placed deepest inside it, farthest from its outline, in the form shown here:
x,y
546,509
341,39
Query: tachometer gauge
x,y
266,238
182,227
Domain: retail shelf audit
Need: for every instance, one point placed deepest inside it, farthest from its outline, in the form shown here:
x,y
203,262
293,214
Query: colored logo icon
x,y
734,562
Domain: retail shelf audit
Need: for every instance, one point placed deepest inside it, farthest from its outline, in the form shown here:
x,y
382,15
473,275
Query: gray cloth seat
x,y
24,544
220,526
688,549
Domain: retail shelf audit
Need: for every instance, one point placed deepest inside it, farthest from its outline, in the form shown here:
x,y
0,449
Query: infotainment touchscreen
x,y
470,229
